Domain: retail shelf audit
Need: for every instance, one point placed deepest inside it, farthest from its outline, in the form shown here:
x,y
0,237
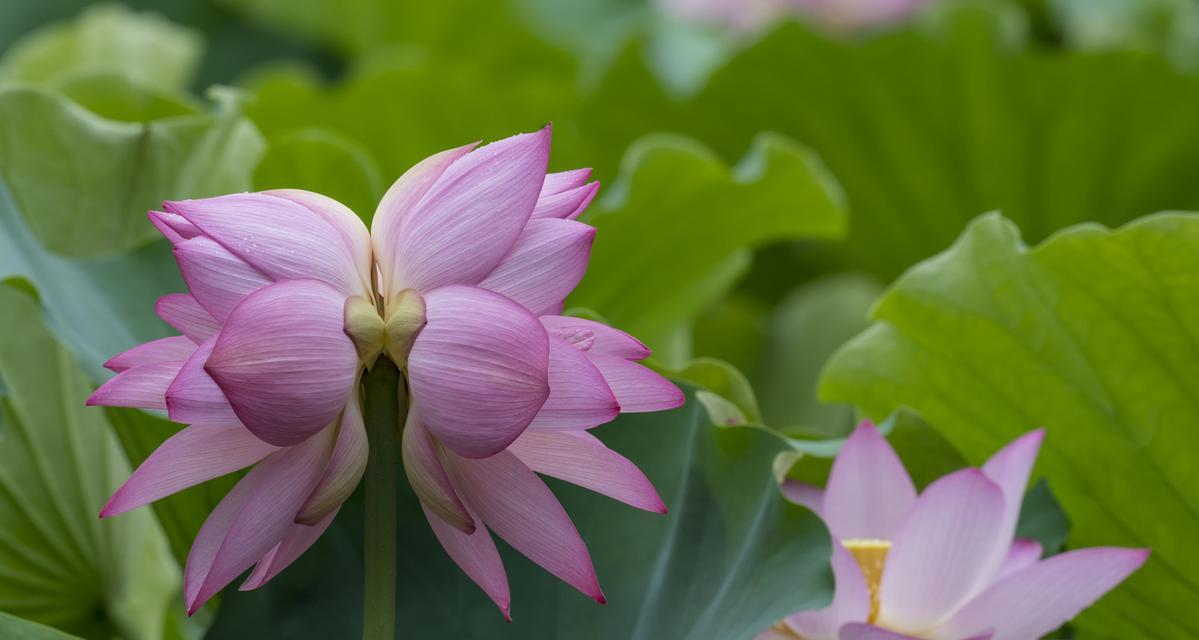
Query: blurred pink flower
x,y
942,565
470,256
747,16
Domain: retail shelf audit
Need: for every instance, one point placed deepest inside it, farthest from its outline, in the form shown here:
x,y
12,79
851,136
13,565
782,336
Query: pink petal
x,y
186,316
427,476
172,349
196,454
567,204
1009,468
174,228
397,203
580,458
354,234
1038,599
579,395
939,551
476,555
281,238
862,631
803,494
295,542
518,507
595,337
143,387
478,370
564,181
194,396
1023,553
343,471
284,361
471,217
868,491
216,278
544,266
851,601
637,388
256,515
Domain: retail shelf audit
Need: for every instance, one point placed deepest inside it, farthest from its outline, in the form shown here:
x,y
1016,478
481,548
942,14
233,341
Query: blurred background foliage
x,y
764,186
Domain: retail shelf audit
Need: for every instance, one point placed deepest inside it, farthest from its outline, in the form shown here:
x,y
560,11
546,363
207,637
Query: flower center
x,y
393,331
871,554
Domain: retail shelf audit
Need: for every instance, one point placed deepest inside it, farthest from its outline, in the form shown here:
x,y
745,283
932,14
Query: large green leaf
x,y
925,133
729,559
800,335
107,38
14,628
1092,335
83,183
403,107
96,306
497,35
677,229
59,564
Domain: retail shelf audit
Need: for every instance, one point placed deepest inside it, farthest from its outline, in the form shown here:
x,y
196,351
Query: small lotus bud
x,y
365,328
405,319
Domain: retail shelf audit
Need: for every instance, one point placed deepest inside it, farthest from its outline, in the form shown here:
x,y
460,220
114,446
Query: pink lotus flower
x,y
747,16
942,565
459,281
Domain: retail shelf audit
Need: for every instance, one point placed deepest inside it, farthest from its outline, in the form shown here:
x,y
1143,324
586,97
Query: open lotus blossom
x,y
459,282
942,565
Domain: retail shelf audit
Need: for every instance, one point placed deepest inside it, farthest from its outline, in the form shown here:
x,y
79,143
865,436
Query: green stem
x,y
385,406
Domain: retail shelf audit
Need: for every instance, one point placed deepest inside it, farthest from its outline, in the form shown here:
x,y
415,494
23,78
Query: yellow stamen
x,y
871,555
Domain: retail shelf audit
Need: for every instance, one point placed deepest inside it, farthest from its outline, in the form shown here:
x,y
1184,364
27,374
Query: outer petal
x,y
803,494
194,396
216,278
868,491
567,204
471,217
1040,598
564,181
596,337
143,386
579,396
851,601
280,237
174,228
476,555
196,454
939,551
1009,468
518,507
479,369
398,202
1023,553
354,235
580,458
295,542
284,361
344,470
256,515
545,265
427,476
861,631
172,349
186,316
637,388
